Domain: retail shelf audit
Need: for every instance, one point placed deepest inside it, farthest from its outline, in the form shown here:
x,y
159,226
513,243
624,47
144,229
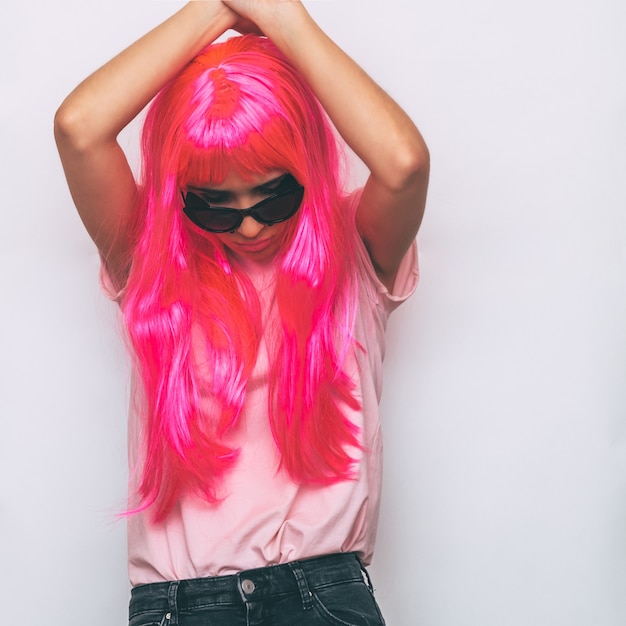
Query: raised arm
x,y
372,124
90,119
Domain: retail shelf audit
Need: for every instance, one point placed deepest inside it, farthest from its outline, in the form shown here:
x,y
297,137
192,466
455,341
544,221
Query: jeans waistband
x,y
251,585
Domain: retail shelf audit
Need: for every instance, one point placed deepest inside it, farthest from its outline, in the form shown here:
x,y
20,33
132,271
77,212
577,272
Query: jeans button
x,y
247,586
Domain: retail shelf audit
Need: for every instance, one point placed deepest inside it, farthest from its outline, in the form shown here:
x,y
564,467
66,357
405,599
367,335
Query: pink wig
x,y
239,105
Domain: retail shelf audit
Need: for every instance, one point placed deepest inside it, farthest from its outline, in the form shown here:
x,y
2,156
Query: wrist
x,y
281,20
213,13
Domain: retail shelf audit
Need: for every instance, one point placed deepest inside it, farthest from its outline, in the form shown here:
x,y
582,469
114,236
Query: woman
x,y
255,294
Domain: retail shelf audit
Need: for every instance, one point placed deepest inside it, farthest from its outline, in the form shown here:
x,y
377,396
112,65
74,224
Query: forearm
x,y
372,124
103,104
91,117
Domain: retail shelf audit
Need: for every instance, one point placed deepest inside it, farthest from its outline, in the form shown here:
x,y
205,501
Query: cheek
x,y
224,238
282,235
285,231
279,230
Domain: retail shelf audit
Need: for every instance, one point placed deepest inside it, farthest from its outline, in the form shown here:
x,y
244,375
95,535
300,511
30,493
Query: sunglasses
x,y
278,207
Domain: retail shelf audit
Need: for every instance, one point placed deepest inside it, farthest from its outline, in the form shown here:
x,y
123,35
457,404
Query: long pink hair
x,y
239,105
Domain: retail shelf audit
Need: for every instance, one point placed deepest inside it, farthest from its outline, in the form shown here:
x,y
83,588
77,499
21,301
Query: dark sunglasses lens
x,y
214,220
280,208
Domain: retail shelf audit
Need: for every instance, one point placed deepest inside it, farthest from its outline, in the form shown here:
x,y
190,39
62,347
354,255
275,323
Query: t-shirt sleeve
x,y
404,284
406,278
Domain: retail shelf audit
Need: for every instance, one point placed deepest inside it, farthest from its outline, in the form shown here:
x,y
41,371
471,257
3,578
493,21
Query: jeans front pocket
x,y
347,604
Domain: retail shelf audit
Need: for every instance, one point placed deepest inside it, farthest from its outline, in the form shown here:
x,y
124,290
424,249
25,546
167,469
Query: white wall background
x,y
505,403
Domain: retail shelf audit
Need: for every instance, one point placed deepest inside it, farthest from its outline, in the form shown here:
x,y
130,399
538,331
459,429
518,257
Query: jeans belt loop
x,y
305,593
172,601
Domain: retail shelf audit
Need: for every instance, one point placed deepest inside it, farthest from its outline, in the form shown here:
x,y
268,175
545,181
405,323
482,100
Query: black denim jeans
x,y
332,589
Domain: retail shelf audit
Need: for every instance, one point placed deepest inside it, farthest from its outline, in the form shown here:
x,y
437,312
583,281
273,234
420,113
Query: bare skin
x,y
374,126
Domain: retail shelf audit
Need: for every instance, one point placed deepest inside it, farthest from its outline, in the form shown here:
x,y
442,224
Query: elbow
x,y
411,165
67,127
73,130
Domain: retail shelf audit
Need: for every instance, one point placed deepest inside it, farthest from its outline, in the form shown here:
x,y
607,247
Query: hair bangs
x,y
270,149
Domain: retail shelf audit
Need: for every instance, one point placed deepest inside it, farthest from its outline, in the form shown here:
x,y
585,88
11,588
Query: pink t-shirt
x,y
266,518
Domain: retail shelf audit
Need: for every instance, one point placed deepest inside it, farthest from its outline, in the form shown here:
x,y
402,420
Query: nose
x,y
250,228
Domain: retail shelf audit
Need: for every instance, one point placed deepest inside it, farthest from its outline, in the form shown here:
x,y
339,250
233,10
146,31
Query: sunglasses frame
x,y
294,188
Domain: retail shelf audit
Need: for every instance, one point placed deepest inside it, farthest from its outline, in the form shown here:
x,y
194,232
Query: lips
x,y
253,246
